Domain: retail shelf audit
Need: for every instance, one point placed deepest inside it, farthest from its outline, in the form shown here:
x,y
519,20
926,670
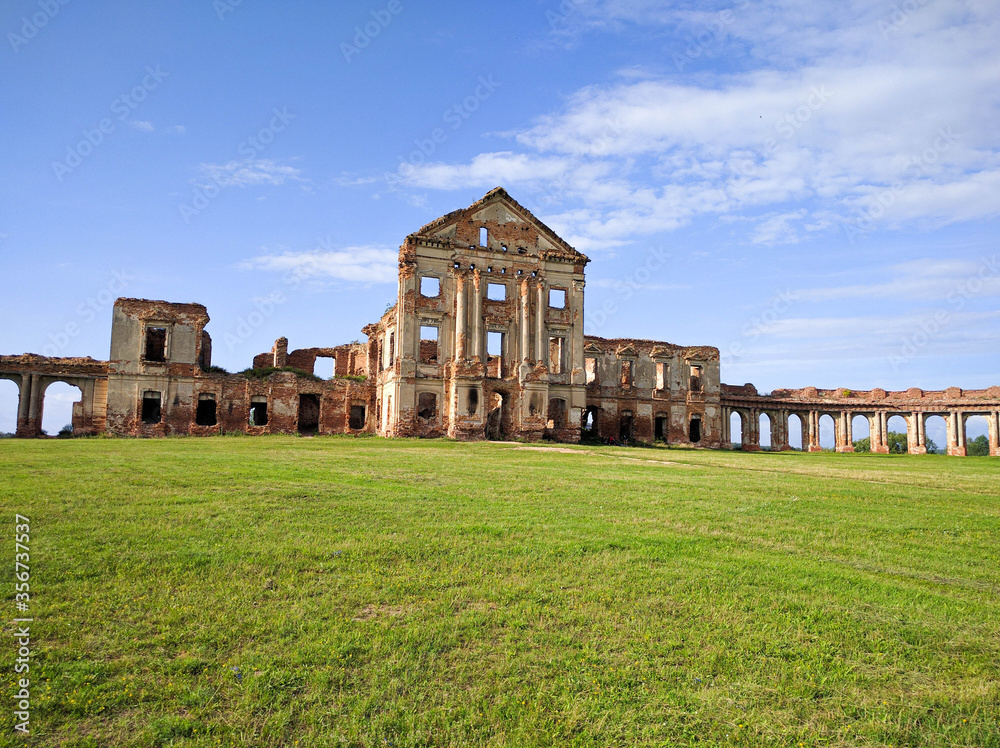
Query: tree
x,y
863,445
978,447
896,443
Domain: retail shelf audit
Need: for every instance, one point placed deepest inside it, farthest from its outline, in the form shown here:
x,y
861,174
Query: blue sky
x,y
811,187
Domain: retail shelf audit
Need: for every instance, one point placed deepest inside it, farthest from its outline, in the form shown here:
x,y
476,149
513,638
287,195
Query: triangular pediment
x,y
508,224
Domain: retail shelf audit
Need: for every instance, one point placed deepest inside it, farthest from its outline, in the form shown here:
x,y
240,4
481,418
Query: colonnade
x,y
878,419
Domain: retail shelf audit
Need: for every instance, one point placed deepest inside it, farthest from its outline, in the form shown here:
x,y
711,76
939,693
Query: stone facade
x,y
485,341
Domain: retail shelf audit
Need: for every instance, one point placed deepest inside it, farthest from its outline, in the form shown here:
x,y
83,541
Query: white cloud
x,y
829,107
249,172
143,125
924,280
362,264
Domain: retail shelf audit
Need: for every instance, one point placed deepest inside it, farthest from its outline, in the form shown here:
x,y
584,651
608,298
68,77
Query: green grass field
x,y
279,591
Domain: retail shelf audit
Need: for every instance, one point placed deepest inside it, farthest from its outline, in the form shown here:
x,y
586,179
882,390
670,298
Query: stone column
x,y
35,398
525,323
541,338
477,317
459,317
23,401
995,434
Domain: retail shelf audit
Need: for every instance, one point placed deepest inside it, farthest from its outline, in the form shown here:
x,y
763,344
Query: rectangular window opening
x,y
428,344
392,350
156,344
556,355
258,411
484,237
494,353
357,418
205,414
696,383
590,365
325,367
426,405
496,291
626,377
557,298
430,286
662,375
150,407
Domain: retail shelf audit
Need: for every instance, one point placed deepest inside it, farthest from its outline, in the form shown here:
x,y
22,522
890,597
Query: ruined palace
x,y
485,341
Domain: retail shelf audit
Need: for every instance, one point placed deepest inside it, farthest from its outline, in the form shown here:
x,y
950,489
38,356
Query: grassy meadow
x,y
283,591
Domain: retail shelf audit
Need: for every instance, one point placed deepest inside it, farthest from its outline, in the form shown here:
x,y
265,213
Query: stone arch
x,y
827,437
861,429
765,431
10,401
898,424
797,431
59,405
976,435
936,433
737,428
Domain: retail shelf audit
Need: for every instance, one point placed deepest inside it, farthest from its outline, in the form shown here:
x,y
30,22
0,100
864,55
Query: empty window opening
x,y
696,383
661,428
427,405
484,236
205,414
625,426
473,401
151,407
557,352
392,350
626,375
590,365
308,414
503,247
694,430
496,291
156,344
557,298
557,414
495,344
662,375
258,411
325,367
430,286
357,418
590,419
428,344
